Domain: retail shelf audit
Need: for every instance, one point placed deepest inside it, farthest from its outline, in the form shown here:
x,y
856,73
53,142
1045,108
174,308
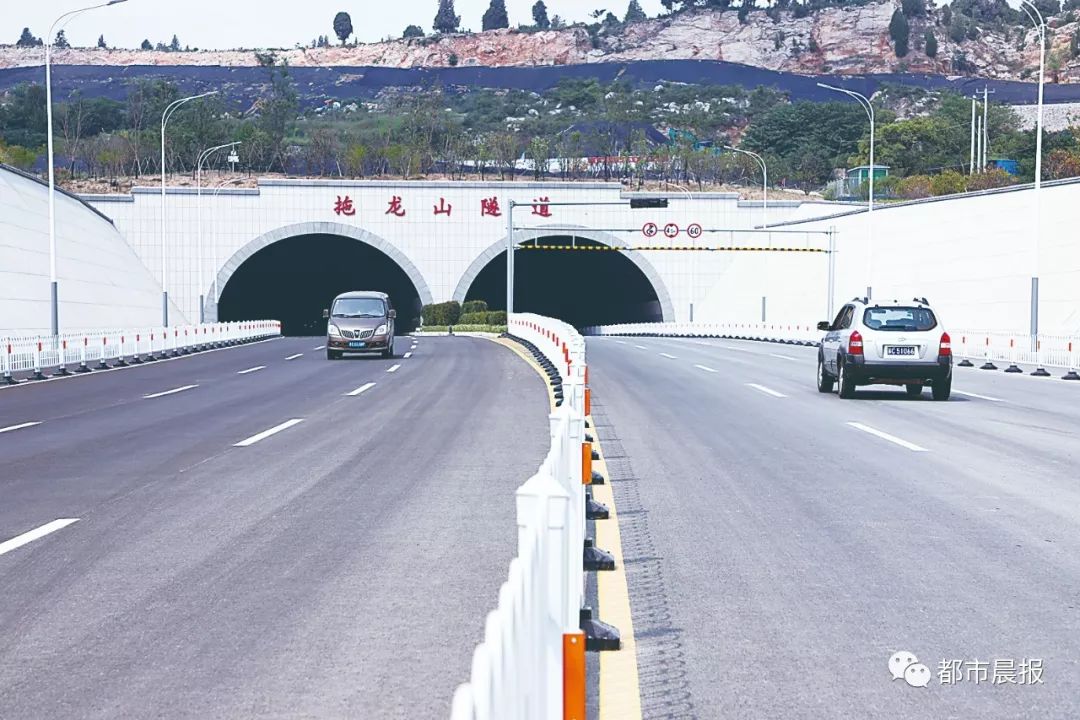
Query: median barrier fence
x,y
984,348
531,661
791,333
92,350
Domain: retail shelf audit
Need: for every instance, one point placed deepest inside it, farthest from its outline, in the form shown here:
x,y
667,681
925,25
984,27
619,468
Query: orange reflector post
x,y
586,463
588,402
574,676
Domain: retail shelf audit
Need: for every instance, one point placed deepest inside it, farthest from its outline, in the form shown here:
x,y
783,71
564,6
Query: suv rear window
x,y
900,319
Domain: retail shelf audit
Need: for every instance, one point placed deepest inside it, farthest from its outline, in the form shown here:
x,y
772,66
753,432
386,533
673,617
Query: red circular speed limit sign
x,y
694,231
671,230
650,230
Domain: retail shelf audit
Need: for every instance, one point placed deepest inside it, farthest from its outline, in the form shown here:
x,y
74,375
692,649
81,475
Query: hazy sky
x,y
264,23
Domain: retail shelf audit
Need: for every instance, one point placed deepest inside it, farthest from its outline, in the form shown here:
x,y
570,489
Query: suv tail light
x,y
855,344
945,348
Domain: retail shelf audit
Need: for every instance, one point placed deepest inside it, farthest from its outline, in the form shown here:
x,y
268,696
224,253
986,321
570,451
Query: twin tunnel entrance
x,y
295,278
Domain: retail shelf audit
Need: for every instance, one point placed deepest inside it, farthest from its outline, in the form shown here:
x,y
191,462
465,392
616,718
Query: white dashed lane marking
x,y
267,433
886,436
362,389
251,370
767,391
29,537
293,357
407,355
393,368
976,395
706,368
669,357
169,392
13,428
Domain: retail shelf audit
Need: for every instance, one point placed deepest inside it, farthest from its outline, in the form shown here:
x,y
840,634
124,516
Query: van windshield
x,y
359,308
900,319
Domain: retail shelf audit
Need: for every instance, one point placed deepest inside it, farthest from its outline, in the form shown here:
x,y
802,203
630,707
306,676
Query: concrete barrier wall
x,y
972,256
102,281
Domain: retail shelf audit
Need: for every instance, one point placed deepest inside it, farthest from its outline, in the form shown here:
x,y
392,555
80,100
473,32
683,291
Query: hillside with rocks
x,y
833,40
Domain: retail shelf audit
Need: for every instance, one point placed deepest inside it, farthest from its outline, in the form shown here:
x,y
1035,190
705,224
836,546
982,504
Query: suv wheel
x,y
844,379
913,391
942,389
332,354
824,379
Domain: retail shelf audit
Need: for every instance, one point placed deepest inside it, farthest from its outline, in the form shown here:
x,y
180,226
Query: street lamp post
x,y
203,157
764,183
869,108
172,107
214,241
1037,19
53,289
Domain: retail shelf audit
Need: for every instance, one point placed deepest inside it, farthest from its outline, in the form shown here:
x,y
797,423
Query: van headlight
x,y
333,330
381,330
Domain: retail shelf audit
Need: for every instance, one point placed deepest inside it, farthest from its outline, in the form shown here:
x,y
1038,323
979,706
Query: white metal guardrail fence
x,y
531,663
95,349
771,332
985,347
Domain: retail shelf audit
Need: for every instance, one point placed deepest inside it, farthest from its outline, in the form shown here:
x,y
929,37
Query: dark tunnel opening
x,y
581,287
294,280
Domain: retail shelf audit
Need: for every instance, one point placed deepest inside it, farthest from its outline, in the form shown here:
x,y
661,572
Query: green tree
x,y
413,31
146,45
634,13
61,41
946,16
174,45
27,39
540,15
446,21
495,17
900,32
948,182
101,42
343,27
930,43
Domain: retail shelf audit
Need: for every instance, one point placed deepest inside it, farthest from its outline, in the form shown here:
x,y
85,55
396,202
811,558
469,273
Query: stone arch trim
x,y
238,258
667,308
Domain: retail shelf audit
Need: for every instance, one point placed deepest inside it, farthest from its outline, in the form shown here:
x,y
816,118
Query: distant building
x,y
1010,166
856,176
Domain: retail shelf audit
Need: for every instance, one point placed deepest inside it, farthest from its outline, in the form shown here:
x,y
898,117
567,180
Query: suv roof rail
x,y
863,300
922,300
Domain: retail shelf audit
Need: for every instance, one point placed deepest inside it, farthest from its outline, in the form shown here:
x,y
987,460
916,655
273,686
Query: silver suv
x,y
888,343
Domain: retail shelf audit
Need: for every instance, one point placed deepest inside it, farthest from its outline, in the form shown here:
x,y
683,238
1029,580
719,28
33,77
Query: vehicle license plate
x,y
900,350
357,344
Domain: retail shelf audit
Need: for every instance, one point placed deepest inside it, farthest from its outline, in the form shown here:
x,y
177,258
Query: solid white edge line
x,y
976,395
32,535
669,357
267,433
293,357
407,355
151,396
393,369
18,427
886,436
705,368
361,389
767,391
251,370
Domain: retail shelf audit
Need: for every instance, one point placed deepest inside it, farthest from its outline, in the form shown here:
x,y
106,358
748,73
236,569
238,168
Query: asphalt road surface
x,y
782,544
252,540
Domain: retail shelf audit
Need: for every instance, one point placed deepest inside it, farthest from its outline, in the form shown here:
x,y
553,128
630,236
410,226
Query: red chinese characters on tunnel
x,y
344,206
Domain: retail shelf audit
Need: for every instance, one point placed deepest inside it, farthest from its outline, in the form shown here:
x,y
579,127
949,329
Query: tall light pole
x,y
764,183
869,108
1040,26
53,289
214,234
203,157
172,107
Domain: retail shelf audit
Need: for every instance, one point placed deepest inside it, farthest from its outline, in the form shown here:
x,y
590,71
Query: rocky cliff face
x,y
836,40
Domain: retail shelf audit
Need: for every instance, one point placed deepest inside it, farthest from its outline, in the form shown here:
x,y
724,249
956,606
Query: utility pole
x,y
979,145
971,156
986,127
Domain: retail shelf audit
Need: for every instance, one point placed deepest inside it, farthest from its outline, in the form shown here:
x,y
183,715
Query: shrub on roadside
x,y
948,182
446,313
473,318
496,317
474,306
914,187
994,178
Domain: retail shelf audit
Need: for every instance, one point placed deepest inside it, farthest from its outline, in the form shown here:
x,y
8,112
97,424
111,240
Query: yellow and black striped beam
x,y
683,248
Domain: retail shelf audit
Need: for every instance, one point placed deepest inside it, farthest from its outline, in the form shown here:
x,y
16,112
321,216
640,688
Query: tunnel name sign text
x,y
396,206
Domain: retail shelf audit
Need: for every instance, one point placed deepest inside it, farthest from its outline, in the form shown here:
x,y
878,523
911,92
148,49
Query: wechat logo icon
x,y
905,665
